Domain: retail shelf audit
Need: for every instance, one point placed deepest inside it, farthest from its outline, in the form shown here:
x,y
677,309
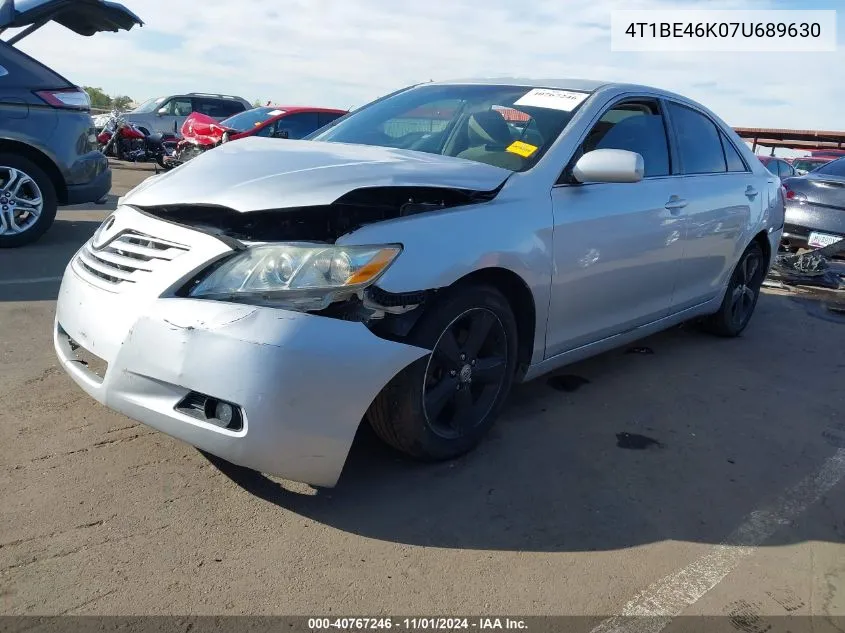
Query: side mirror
x,y
161,111
609,165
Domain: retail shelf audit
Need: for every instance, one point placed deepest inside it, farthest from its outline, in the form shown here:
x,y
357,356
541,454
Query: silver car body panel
x,y
251,174
605,264
298,377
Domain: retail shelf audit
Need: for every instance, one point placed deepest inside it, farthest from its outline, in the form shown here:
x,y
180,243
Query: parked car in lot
x,y
806,164
201,133
167,114
48,151
815,207
408,267
778,166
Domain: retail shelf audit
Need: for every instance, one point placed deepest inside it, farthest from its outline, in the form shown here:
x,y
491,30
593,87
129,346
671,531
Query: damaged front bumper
x,y
301,382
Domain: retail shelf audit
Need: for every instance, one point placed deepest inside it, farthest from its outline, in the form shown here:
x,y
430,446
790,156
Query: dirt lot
x,y
607,491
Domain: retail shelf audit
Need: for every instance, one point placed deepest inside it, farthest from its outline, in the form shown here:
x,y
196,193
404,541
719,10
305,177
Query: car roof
x,y
292,109
584,85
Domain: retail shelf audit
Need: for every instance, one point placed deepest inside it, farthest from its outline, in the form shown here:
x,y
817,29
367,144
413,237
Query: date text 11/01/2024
x,y
724,29
416,624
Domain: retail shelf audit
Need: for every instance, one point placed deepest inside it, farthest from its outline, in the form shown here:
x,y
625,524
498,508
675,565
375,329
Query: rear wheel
x,y
443,404
28,201
741,297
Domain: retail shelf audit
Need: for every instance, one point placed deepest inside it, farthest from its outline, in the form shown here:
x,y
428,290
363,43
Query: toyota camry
x,y
409,263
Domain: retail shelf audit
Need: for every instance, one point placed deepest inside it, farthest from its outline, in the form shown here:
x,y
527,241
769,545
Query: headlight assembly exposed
x,y
296,276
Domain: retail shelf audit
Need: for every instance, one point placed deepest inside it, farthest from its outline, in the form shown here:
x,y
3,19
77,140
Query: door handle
x,y
675,204
750,191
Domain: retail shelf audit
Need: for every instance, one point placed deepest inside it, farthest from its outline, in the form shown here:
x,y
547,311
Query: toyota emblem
x,y
101,236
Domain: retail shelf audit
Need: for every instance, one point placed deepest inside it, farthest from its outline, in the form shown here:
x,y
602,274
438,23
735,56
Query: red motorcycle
x,y
125,141
200,133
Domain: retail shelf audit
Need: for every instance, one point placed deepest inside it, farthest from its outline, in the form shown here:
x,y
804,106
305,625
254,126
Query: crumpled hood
x,y
254,174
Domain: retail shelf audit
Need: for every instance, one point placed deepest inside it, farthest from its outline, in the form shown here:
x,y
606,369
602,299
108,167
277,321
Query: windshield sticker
x,y
522,149
565,100
275,112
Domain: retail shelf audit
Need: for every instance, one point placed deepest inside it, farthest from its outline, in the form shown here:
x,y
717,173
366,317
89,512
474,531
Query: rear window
x,y
835,168
27,72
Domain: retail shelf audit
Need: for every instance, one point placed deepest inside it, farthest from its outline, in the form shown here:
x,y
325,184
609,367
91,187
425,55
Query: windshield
x,y
807,165
834,168
149,106
504,126
244,121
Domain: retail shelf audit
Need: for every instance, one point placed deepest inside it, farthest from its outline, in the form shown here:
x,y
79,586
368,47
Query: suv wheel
x,y
27,201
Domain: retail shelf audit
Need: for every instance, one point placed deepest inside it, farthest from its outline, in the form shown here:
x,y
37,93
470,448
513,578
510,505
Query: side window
x,y
217,108
325,118
231,107
698,141
785,169
772,166
267,130
636,127
735,162
298,125
179,107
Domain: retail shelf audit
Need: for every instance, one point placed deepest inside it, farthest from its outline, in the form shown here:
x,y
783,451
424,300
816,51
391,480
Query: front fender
x,y
442,247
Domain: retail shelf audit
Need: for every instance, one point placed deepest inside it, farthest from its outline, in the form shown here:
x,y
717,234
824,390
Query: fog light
x,y
224,412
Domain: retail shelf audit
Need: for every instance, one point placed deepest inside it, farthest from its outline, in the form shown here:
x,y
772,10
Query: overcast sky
x,y
344,53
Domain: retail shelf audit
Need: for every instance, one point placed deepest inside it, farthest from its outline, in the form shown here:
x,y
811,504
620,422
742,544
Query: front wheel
x,y
442,405
741,297
28,201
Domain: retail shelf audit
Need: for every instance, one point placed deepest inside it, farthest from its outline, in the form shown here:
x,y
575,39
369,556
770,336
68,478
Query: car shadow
x,y
679,437
33,272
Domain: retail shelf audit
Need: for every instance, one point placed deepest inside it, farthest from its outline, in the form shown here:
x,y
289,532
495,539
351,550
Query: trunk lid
x,y
820,189
85,17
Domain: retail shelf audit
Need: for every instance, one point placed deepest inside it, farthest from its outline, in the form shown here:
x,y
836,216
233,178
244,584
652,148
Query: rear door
x,y
722,195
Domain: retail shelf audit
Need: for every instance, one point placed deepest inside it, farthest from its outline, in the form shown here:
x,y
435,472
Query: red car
x,y
201,132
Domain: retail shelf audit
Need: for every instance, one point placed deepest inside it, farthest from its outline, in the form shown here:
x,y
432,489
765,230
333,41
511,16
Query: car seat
x,y
489,136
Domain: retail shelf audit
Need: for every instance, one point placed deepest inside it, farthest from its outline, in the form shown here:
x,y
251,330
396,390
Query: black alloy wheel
x,y
465,373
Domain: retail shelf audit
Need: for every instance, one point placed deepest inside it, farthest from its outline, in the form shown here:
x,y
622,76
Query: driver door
x,y
617,246
172,114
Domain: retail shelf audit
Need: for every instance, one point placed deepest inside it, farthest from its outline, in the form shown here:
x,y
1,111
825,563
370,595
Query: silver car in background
x,y
409,263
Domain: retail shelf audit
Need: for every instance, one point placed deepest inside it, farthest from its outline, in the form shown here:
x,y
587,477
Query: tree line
x,y
101,101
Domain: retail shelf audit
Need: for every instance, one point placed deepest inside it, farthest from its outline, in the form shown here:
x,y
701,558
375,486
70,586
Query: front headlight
x,y
296,276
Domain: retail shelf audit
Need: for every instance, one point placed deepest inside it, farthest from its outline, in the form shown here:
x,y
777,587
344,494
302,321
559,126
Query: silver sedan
x,y
410,262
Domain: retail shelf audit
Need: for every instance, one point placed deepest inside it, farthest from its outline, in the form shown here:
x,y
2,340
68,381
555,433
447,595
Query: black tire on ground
x,y
399,415
741,296
48,195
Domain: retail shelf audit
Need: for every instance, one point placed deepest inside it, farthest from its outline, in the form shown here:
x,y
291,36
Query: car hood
x,y
85,17
256,174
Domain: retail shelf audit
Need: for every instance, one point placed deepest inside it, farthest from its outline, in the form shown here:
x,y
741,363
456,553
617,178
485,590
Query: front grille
x,y
127,257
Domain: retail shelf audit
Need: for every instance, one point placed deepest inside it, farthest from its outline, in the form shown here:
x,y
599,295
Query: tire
x,y
744,286
403,416
34,181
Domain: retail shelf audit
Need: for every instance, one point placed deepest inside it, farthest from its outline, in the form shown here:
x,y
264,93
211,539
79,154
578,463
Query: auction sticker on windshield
x,y
522,149
565,100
